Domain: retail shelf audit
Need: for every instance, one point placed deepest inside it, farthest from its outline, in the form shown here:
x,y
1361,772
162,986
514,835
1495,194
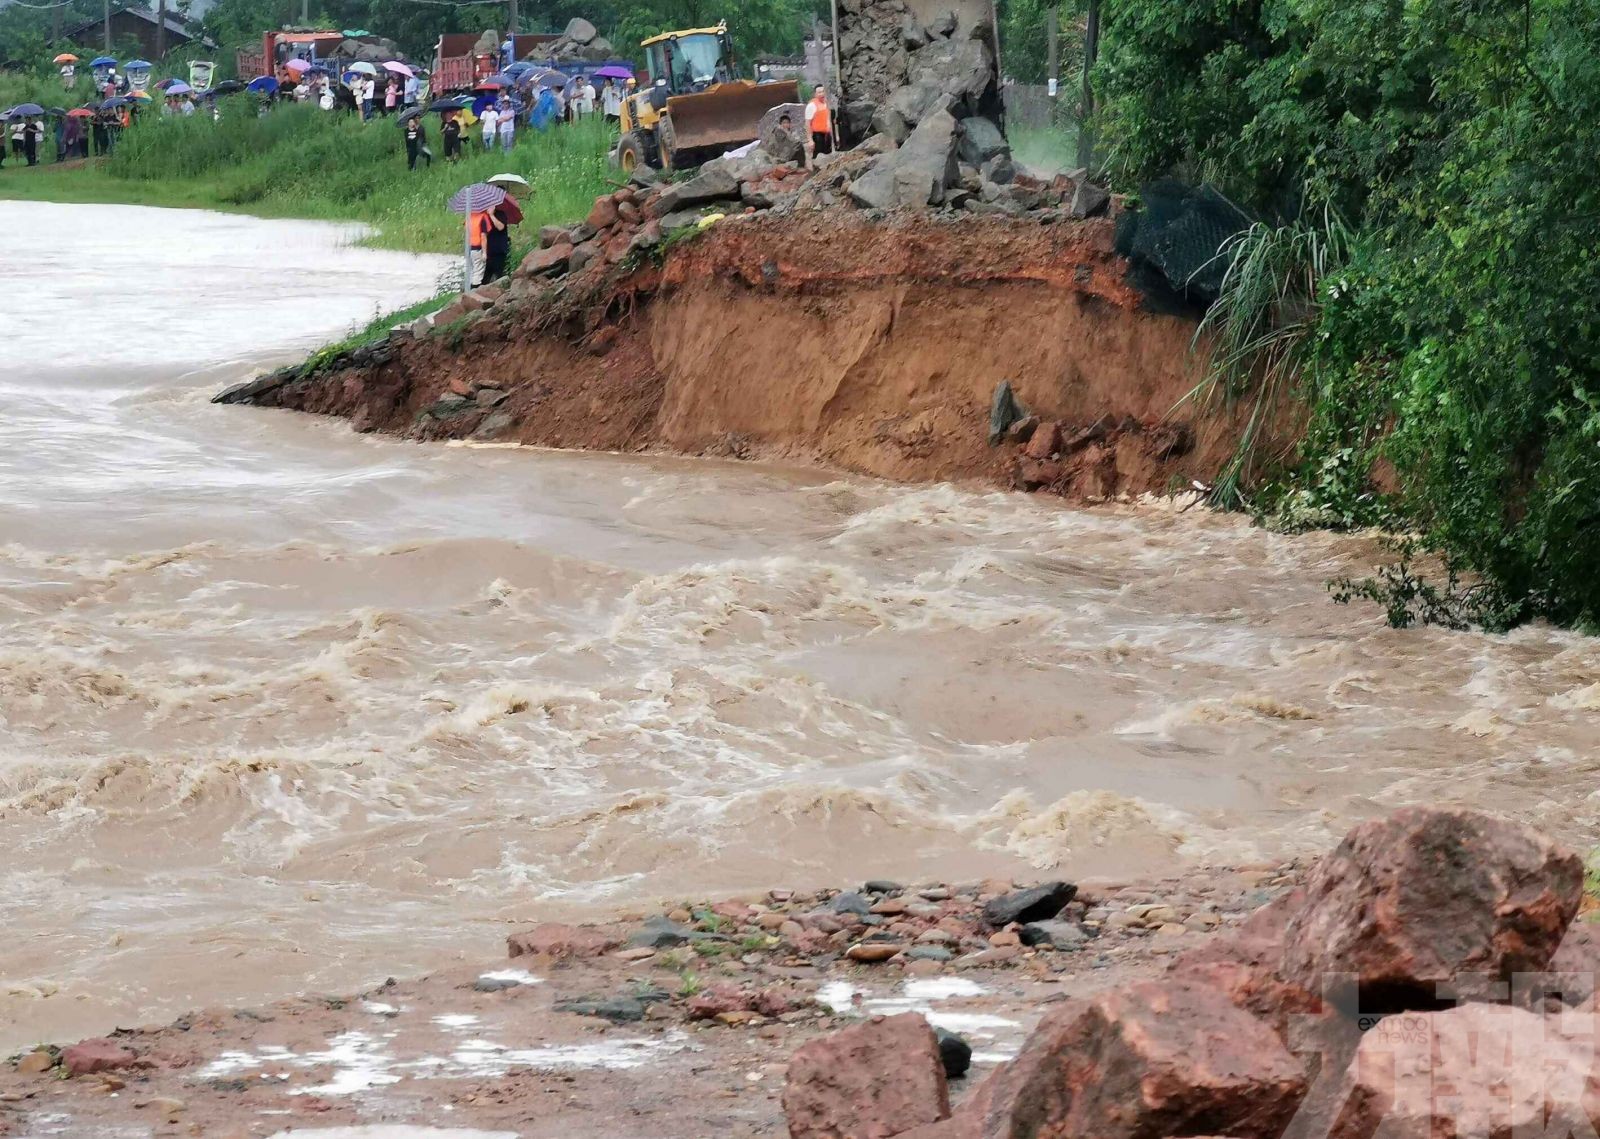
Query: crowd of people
x,y
497,114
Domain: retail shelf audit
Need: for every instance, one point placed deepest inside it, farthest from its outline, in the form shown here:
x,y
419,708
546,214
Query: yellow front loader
x,y
695,108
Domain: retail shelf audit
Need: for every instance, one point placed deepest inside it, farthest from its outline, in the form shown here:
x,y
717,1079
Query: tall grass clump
x,y
1259,335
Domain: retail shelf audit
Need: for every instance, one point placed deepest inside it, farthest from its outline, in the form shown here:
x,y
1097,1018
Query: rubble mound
x,y
1409,914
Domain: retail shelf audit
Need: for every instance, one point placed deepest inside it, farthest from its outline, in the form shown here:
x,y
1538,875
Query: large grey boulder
x,y
580,31
981,140
915,101
959,68
713,183
915,176
912,34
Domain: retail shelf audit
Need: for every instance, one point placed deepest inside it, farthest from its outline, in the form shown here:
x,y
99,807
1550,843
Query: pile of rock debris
x,y
1426,980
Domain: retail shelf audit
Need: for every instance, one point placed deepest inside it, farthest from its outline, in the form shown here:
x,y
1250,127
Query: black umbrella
x,y
453,104
226,87
407,116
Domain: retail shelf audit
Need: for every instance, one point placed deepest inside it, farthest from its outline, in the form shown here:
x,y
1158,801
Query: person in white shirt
x,y
490,119
611,101
586,98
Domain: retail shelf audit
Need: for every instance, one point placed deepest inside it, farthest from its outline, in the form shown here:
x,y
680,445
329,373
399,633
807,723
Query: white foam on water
x,y
513,976
920,996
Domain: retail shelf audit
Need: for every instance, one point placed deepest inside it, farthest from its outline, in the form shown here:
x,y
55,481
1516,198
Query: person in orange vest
x,y
479,227
819,124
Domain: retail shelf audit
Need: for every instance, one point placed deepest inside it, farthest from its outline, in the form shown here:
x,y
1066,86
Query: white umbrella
x,y
508,180
364,68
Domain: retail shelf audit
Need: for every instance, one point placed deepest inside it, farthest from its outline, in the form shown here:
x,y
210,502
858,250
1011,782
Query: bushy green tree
x,y
1455,348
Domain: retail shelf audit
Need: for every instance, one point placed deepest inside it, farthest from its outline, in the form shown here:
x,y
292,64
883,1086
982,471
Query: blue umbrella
x,y
518,68
476,198
103,61
179,88
117,101
23,110
136,65
265,85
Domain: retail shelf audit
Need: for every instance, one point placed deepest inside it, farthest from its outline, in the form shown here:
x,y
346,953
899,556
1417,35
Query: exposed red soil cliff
x,y
868,345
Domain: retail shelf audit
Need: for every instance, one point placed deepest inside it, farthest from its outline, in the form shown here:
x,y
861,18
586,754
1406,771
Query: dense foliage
x,y
1448,354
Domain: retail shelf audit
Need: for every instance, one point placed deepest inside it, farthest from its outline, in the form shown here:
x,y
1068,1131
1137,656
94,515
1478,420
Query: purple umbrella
x,y
612,71
476,198
467,201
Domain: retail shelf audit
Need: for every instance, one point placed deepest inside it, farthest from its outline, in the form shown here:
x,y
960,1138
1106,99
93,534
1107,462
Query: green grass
x,y
1045,150
303,163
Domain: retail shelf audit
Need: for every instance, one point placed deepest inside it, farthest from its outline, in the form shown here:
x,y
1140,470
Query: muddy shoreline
x,y
499,1044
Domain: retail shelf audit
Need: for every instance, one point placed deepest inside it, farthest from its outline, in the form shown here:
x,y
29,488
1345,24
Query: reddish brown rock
x,y
1170,1057
774,1002
1044,442
1034,473
1427,898
603,214
546,260
628,212
95,1055
617,247
1480,1071
1575,966
872,1081
553,939
1243,966
35,1062
720,998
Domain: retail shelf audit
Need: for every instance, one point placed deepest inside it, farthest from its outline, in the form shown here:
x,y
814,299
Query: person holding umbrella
x,y
32,139
451,133
416,140
501,218
474,204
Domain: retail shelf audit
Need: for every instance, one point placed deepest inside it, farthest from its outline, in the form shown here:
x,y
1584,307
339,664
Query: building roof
x,y
175,27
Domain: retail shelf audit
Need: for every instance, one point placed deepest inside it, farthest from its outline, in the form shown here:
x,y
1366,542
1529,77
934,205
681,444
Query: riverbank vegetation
x,y
300,162
1423,276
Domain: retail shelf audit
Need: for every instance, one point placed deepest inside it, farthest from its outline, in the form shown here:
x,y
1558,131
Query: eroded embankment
x,y
875,346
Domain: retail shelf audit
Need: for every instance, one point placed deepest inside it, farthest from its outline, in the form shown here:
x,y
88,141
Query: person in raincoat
x,y
544,110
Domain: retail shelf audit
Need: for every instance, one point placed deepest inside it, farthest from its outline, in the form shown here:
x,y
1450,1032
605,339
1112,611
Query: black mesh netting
x,y
1178,231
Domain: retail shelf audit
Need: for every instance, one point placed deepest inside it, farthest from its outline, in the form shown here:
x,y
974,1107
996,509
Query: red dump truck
x,y
276,47
457,67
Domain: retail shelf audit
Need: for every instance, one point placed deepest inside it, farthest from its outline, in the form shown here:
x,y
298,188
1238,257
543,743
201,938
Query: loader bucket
x,y
725,116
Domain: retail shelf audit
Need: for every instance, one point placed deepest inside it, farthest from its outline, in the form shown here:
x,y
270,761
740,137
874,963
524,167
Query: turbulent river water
x,y
284,708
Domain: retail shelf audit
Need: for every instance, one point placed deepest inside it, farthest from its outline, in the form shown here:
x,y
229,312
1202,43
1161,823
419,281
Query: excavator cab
x,y
696,106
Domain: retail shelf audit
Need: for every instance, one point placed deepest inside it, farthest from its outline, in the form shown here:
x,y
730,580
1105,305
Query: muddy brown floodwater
x,y
291,709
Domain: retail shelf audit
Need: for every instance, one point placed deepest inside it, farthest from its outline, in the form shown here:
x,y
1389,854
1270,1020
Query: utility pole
x,y
55,24
305,13
512,25
108,27
1091,51
1052,31
161,28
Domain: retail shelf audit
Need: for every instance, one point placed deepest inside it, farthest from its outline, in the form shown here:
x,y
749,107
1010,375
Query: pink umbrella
x,y
297,65
398,68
